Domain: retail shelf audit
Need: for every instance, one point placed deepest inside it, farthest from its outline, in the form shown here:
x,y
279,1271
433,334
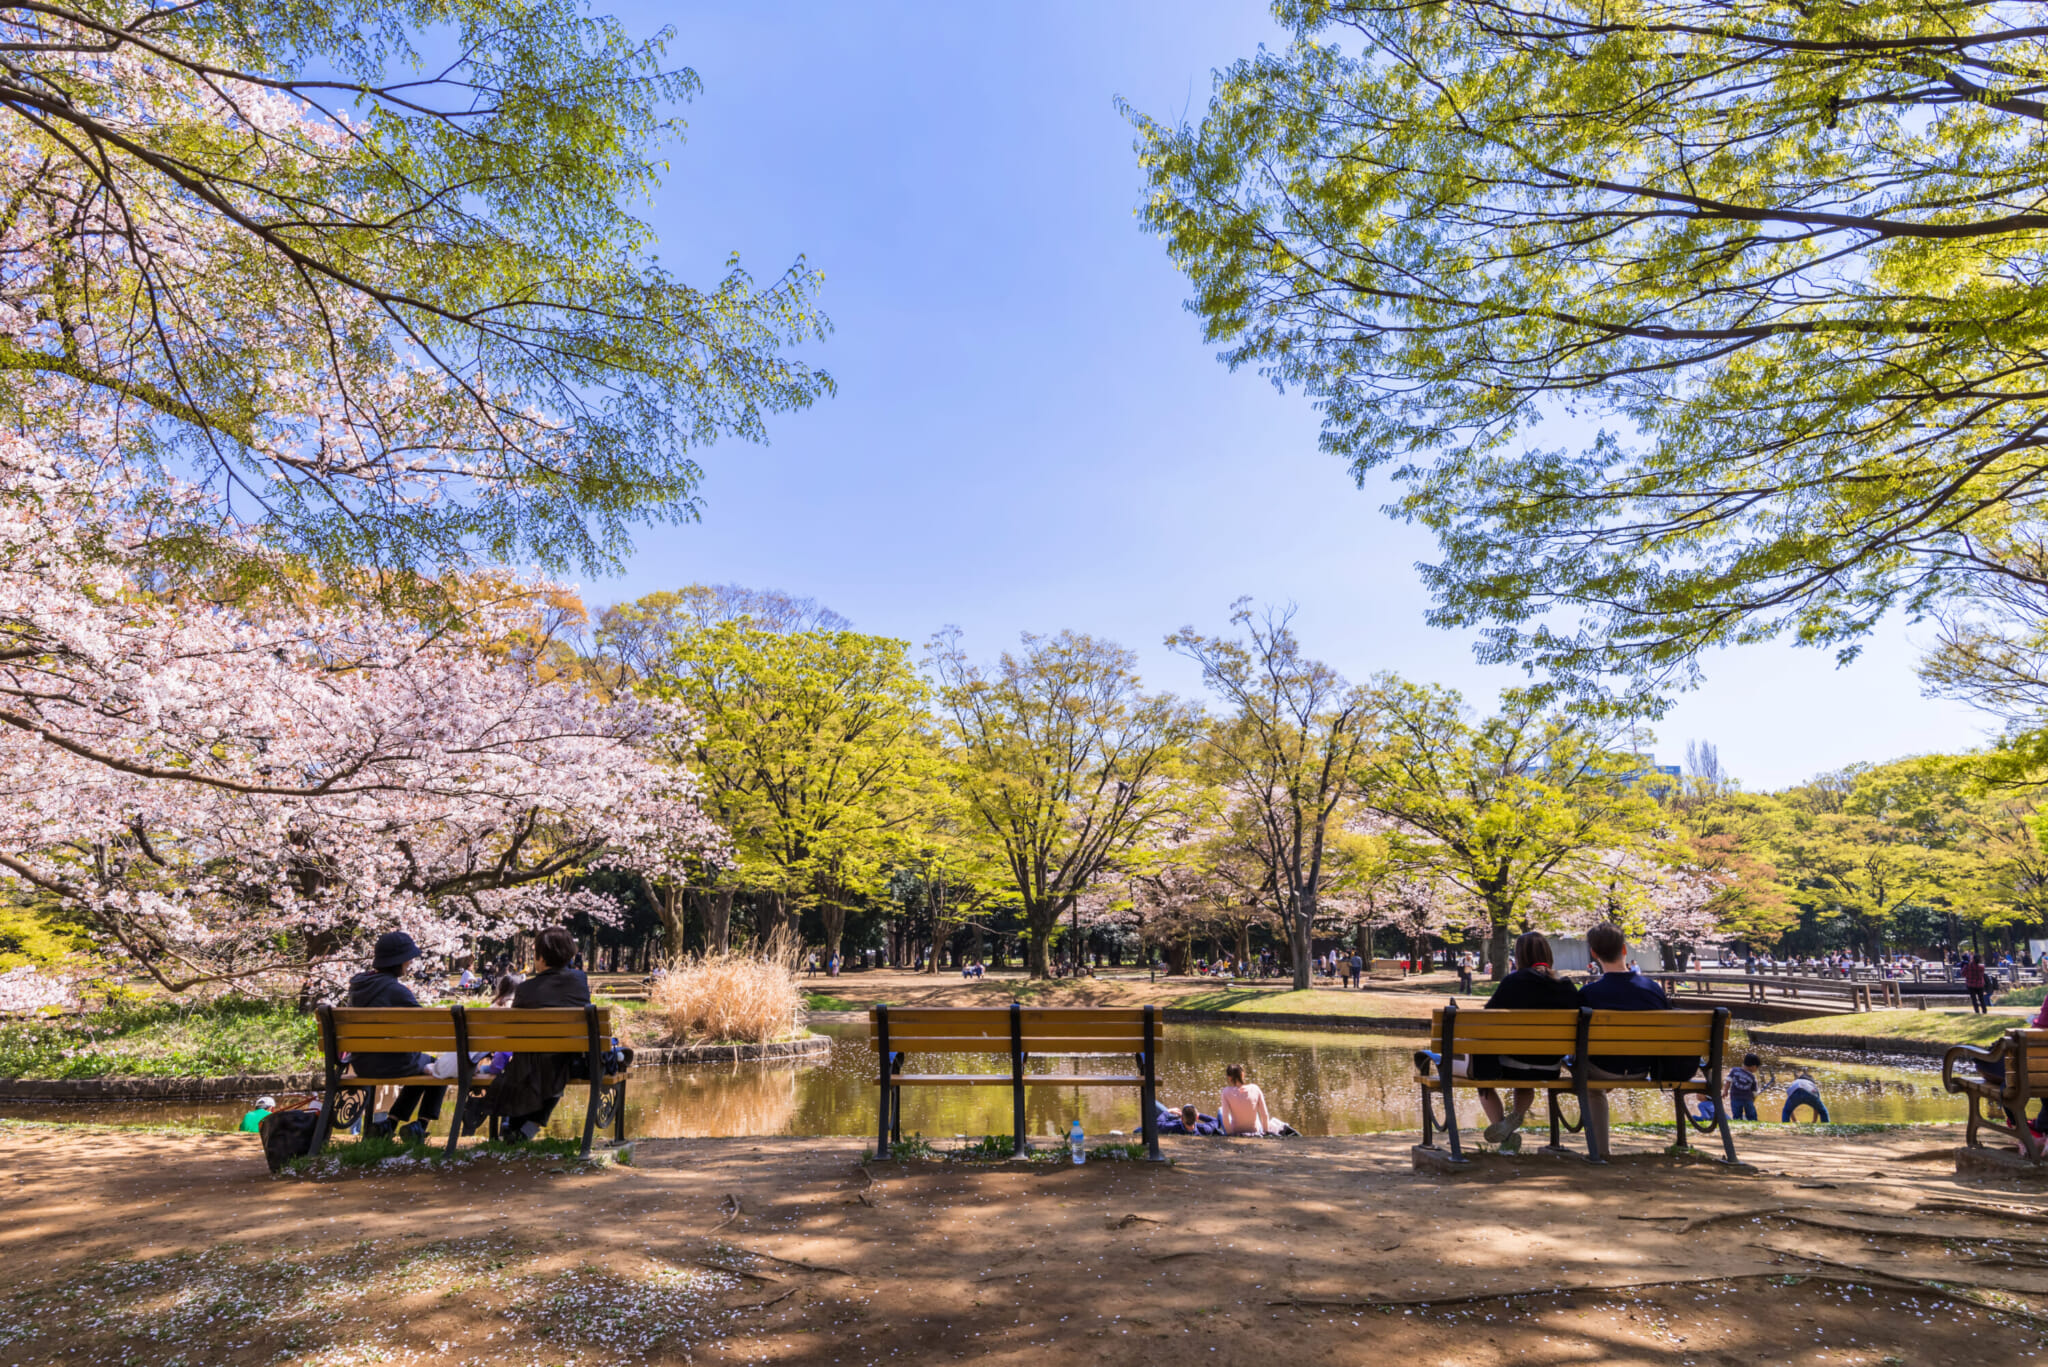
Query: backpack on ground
x,y
287,1135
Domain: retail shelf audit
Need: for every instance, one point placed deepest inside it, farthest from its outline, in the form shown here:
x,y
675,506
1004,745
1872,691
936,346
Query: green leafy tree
x,y
1507,808
1065,761
815,752
372,273
1289,749
1793,252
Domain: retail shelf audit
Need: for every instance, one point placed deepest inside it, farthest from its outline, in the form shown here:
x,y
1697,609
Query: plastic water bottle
x,y
1078,1142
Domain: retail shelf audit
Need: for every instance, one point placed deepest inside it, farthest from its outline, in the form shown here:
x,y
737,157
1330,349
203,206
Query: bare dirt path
x,y
150,1248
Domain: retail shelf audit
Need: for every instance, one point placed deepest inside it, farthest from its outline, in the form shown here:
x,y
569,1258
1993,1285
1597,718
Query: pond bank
x,y
1915,1034
125,1088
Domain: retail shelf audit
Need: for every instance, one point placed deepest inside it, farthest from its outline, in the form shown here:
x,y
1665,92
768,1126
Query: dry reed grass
x,y
733,998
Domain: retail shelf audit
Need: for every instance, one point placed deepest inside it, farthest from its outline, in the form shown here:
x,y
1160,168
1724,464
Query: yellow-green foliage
x,y
27,936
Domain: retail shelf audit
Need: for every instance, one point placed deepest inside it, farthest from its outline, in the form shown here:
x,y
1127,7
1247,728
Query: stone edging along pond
x,y
199,1088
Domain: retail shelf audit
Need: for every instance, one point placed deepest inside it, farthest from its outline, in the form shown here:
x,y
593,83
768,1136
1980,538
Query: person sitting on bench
x,y
1619,988
379,985
524,1095
1533,986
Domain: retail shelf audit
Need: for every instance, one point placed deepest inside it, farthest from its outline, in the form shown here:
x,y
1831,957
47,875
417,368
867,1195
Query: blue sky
x,y
1029,432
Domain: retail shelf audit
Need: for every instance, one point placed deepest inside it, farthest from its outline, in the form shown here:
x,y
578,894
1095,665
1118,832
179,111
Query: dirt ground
x,y
133,1247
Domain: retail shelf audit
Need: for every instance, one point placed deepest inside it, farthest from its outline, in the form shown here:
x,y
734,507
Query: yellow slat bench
x,y
1388,968
463,1031
1016,1032
1577,1035
2023,1057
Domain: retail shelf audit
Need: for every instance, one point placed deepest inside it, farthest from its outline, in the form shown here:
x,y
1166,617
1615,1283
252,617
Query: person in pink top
x,y
1242,1108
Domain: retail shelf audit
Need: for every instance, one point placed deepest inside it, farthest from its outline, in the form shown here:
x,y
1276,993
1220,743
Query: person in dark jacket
x,y
1533,986
1619,988
524,1095
380,986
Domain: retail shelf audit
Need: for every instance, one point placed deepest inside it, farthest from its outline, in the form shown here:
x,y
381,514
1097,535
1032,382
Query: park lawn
x,y
1314,1001
1922,1027
223,1037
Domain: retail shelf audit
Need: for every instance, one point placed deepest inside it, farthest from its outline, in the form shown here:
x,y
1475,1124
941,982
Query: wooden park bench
x,y
1018,1033
1388,968
2022,1055
1577,1035
463,1031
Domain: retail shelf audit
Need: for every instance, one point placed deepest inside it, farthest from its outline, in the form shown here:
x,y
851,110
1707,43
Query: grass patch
x,y
825,1001
225,1036
2023,996
1929,1027
1315,1001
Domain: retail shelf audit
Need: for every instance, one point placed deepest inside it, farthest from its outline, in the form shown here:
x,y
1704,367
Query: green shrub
x,y
159,1038
2024,996
915,1147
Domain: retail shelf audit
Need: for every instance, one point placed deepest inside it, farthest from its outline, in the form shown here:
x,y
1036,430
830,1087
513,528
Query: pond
x,y
1322,1082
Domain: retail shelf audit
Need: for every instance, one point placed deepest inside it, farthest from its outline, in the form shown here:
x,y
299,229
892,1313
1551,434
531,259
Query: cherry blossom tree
x,y
224,791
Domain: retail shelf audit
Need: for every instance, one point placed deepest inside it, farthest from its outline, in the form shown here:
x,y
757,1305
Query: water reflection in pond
x,y
1322,1082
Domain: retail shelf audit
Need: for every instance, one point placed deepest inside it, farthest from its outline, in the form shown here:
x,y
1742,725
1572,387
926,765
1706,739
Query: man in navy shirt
x,y
1618,988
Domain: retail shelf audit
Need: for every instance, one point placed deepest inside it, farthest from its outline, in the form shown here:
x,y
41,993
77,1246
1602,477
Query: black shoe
x,y
379,1129
415,1133
473,1116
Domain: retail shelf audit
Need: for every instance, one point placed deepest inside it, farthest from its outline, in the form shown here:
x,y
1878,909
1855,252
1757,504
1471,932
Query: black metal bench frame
x,y
890,1126
1578,1084
607,1091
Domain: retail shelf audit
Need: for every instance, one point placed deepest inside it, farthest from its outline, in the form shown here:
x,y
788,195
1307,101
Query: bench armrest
x,y
1970,1053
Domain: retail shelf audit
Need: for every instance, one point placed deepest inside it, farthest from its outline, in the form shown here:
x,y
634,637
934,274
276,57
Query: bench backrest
x,y
1651,1033
431,1029
1041,1029
1613,1033
1390,966
394,1029
536,1030
2034,1048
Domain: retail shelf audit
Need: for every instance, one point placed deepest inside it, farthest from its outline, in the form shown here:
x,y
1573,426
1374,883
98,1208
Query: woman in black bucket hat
x,y
380,986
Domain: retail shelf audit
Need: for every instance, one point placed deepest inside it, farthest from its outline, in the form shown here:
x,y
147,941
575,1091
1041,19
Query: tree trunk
x,y
718,921
1497,950
1300,930
1043,918
672,909
833,916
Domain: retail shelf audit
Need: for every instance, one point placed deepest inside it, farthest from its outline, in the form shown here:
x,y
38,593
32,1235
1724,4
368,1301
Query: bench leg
x,y
1428,1120
590,1116
882,1128
328,1101
1450,1109
1727,1135
1020,1141
1678,1105
1556,1119
619,1112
